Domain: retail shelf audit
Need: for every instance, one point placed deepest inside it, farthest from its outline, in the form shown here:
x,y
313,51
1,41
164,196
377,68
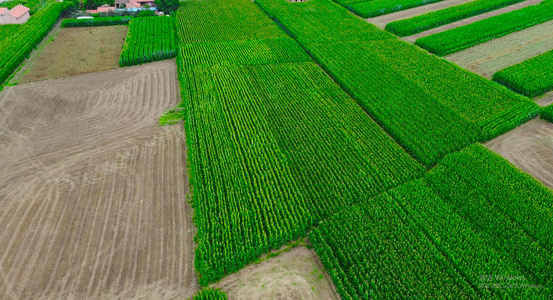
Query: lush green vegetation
x,y
210,294
104,21
547,113
17,42
431,107
375,8
448,15
274,144
474,218
149,39
463,37
532,77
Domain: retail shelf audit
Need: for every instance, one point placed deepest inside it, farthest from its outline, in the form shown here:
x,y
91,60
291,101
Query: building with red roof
x,y
17,15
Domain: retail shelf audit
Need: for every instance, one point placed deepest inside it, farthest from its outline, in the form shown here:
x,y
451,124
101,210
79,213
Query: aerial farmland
x,y
276,149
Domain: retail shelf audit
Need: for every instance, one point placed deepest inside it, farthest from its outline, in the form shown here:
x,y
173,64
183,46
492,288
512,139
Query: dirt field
x,y
467,21
92,193
296,274
76,51
381,21
530,148
545,100
487,58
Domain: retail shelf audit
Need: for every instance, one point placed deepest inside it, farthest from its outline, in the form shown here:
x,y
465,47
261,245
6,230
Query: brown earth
x,y
545,100
93,195
489,57
382,21
77,51
470,20
296,274
530,148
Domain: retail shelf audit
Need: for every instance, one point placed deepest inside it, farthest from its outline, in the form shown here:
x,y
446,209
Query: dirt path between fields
x,y
489,57
296,274
470,20
530,148
382,21
93,194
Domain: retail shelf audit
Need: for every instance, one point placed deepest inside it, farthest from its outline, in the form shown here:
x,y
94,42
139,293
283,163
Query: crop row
x,y
274,144
16,46
448,15
104,21
531,77
149,39
209,294
547,113
224,20
463,37
431,107
474,227
375,8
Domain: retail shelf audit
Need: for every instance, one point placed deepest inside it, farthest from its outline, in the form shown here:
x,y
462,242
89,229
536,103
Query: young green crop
x,y
149,39
532,77
209,294
448,15
375,8
381,248
547,113
274,144
431,107
463,37
16,45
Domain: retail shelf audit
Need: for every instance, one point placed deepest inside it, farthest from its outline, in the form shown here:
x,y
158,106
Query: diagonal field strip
x,y
382,21
414,37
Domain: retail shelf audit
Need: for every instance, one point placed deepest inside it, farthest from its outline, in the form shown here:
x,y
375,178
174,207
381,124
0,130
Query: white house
x,y
17,15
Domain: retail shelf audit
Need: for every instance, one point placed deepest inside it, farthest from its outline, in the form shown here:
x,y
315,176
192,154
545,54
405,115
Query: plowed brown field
x,y
93,195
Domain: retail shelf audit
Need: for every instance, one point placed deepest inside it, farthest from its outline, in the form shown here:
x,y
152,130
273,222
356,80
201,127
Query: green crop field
x,y
275,145
448,15
532,77
375,8
547,113
312,140
463,37
17,41
149,39
429,106
470,218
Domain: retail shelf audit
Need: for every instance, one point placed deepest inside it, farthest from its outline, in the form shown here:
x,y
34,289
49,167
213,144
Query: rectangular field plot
x,y
78,51
489,57
463,37
475,217
92,192
429,106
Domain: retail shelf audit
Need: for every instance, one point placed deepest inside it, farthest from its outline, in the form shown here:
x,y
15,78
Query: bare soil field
x,y
530,148
470,20
93,195
77,51
296,274
489,57
382,21
545,100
